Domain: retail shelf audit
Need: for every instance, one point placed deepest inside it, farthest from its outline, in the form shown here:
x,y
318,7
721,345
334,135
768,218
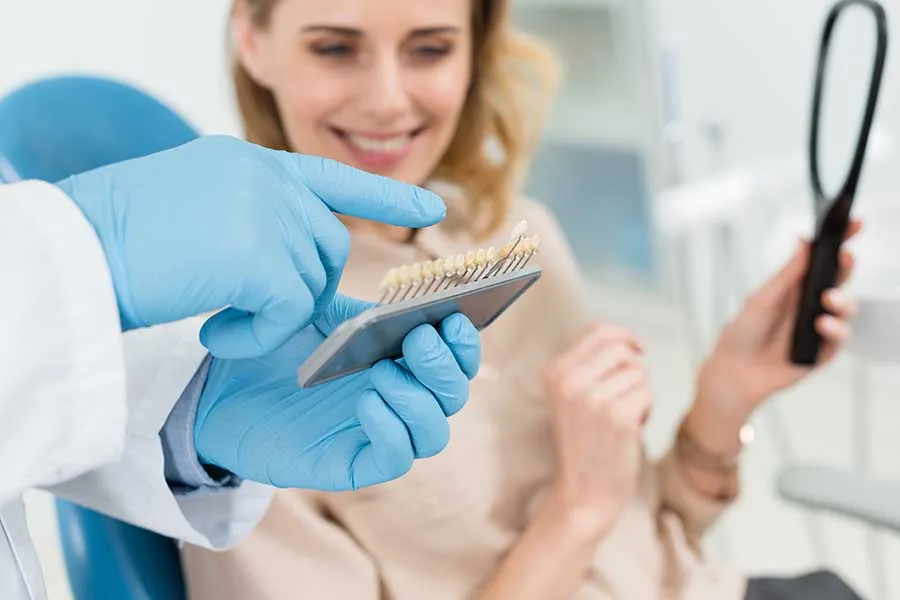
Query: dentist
x,y
209,416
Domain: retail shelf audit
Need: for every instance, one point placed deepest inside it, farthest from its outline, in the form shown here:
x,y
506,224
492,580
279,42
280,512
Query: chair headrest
x,y
61,126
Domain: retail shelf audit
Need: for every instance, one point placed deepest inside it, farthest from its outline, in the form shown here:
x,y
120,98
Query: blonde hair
x,y
513,81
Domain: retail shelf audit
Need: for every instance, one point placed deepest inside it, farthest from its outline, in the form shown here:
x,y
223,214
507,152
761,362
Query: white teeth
x,y
378,144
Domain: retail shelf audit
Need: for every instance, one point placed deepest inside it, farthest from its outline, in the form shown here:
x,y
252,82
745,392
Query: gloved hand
x,y
256,422
222,223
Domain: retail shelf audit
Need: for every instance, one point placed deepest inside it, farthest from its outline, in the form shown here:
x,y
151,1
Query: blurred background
x,y
675,159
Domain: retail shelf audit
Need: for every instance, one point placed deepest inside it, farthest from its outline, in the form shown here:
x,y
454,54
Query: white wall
x,y
173,48
745,64
750,66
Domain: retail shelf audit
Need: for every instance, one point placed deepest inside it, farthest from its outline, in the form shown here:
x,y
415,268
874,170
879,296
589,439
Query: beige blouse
x,y
439,532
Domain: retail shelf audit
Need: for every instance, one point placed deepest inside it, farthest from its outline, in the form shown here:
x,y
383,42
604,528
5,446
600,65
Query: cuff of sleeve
x,y
697,510
184,473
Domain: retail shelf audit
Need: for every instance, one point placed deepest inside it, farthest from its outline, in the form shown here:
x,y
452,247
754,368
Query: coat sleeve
x,y
67,414
160,362
62,379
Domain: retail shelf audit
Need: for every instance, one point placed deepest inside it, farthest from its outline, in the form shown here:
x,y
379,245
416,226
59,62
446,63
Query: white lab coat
x,y
81,405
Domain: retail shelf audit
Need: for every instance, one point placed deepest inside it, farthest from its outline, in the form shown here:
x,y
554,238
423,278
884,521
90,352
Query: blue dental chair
x,y
49,130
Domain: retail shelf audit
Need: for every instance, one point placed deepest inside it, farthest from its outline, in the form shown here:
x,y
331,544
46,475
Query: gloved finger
x,y
332,242
431,362
310,265
354,192
286,308
415,405
340,309
389,453
464,342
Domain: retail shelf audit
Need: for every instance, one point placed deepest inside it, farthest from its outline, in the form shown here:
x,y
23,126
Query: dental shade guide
x,y
481,284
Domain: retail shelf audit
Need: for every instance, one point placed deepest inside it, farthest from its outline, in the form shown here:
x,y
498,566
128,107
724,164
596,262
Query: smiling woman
x,y
409,89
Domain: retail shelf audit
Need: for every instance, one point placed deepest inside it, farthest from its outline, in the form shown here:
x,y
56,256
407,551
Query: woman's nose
x,y
385,96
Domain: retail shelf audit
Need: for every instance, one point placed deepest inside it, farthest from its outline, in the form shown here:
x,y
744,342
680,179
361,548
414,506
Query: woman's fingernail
x,y
831,325
836,298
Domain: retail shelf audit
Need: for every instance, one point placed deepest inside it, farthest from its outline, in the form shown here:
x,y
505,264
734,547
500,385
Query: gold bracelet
x,y
691,451
723,467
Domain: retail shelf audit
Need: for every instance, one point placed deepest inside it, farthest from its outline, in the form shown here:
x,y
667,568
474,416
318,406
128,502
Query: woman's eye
x,y
334,50
432,52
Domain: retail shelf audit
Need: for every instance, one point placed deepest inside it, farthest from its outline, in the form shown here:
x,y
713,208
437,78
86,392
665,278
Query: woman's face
x,y
377,84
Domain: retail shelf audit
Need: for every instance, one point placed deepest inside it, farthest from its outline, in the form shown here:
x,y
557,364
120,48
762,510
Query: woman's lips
x,y
378,150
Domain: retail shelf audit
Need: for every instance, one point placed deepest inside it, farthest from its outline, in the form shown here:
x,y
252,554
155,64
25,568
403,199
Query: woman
x,y
544,490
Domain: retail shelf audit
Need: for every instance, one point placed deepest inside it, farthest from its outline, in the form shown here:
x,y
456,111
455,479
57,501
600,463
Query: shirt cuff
x,y
184,473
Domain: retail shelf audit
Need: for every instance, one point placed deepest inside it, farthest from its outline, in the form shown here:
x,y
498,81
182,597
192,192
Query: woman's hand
x,y
751,359
601,400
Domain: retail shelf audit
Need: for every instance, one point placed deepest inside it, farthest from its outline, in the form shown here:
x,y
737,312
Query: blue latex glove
x,y
219,222
256,422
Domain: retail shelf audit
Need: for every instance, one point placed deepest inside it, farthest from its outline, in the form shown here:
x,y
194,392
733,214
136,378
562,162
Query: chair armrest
x,y
843,492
